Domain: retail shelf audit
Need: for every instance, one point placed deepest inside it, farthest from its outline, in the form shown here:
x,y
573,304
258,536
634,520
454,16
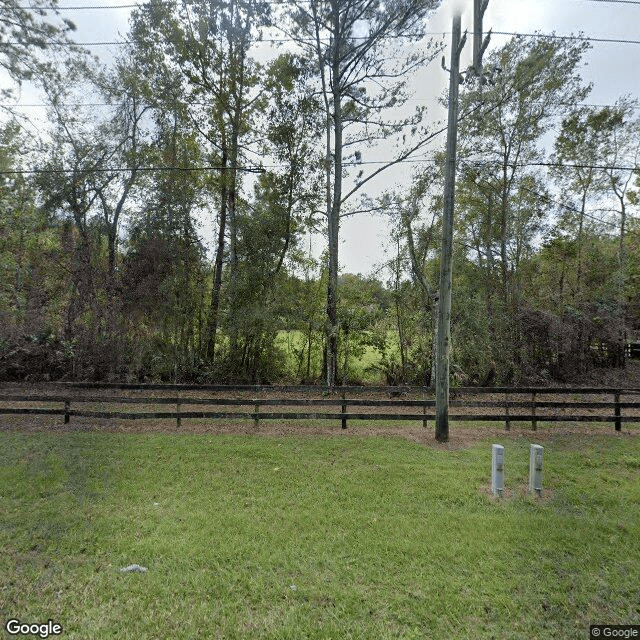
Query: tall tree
x,y
363,57
622,160
89,178
502,127
207,45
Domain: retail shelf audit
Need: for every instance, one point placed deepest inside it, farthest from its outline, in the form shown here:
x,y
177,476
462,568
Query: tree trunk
x,y
212,322
233,237
334,212
309,344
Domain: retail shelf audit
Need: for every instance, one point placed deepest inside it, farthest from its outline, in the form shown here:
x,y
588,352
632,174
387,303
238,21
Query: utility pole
x,y
479,45
444,303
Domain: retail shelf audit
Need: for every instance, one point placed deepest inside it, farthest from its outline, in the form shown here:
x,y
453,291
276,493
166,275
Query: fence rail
x,y
511,404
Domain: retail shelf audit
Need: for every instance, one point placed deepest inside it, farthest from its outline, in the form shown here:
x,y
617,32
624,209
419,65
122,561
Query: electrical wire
x,y
137,5
371,162
557,202
631,107
552,36
617,1
122,169
263,168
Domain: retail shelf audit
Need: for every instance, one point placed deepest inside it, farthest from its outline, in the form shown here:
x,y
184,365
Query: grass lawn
x,y
310,537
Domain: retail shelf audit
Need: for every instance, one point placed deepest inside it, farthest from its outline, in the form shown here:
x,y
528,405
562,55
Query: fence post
x,y
67,409
256,418
507,424
534,422
178,418
424,411
617,411
344,410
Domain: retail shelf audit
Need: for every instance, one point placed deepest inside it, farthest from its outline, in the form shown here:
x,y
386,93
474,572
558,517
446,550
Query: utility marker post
x,y
497,469
535,469
444,303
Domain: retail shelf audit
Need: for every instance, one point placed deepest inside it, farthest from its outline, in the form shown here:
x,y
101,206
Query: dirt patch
x,y
519,493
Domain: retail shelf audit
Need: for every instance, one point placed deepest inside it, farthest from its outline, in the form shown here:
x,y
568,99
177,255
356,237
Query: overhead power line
x,y
553,36
121,169
490,163
137,5
424,34
7,105
85,8
617,1
262,169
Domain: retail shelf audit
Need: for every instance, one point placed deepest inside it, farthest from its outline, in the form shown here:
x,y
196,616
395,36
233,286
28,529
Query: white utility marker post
x,y
497,469
535,469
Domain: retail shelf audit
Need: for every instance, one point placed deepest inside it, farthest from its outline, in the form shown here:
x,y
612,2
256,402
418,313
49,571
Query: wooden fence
x,y
506,405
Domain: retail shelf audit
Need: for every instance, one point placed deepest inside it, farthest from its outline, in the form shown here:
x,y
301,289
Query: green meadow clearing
x,y
316,537
364,361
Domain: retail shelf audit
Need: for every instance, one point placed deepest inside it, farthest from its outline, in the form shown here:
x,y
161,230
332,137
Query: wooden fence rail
x,y
514,405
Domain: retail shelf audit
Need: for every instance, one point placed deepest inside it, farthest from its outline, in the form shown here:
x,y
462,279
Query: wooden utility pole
x,y
479,45
444,303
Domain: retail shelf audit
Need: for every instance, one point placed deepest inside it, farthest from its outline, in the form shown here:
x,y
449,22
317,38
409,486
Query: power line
x,y
137,5
83,8
553,36
121,169
110,104
617,1
262,169
601,167
569,207
491,163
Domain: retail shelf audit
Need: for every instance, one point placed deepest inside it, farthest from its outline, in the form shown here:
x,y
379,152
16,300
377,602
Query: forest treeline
x,y
108,273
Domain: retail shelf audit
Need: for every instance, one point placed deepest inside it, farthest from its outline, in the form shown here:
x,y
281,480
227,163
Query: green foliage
x,y
111,262
27,35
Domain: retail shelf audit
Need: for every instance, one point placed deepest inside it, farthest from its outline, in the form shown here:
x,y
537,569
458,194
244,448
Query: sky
x,y
613,68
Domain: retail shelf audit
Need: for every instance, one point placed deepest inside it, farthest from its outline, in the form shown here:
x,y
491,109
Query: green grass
x,y
347,537
362,368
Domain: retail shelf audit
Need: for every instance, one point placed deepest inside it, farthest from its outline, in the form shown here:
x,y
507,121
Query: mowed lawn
x,y
310,537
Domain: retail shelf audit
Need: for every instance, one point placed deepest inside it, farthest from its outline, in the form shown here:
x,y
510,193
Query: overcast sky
x,y
613,68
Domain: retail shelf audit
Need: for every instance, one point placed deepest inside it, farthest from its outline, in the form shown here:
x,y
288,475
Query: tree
x,y
361,71
599,150
164,267
207,45
89,178
504,200
580,144
26,35
621,158
29,249
419,235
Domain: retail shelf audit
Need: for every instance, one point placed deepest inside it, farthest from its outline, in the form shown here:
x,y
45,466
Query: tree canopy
x,y
167,237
